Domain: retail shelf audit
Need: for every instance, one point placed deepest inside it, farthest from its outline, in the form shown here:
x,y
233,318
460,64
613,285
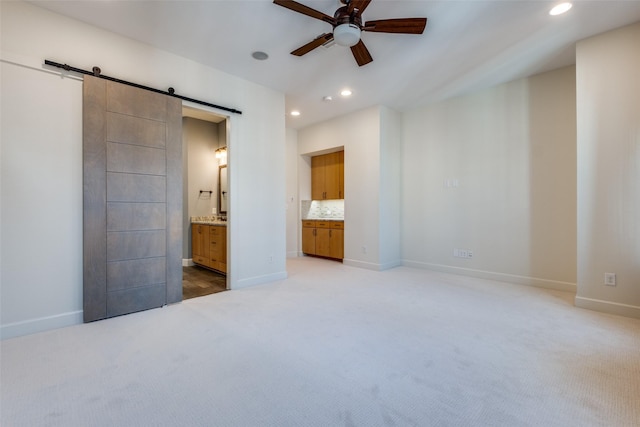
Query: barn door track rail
x,y
171,91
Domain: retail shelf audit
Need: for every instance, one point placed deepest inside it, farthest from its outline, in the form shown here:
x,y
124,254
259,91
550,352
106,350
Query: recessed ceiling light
x,y
295,113
346,92
560,9
327,98
259,55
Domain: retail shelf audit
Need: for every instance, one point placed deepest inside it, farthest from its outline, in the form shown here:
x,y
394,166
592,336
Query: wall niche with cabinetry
x,y
322,231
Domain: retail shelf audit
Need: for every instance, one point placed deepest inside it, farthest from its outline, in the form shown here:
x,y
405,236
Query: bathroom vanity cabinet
x,y
209,246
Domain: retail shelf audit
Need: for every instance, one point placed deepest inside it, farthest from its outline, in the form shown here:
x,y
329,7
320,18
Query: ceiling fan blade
x,y
402,25
317,42
361,53
305,10
361,5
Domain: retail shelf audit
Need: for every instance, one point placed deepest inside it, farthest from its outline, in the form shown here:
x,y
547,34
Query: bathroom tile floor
x,y
198,281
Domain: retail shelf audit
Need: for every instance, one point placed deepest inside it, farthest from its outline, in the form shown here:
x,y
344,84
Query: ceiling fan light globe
x,y
346,34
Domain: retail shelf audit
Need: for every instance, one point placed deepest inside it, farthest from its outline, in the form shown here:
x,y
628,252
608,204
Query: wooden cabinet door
x,y
340,175
331,176
323,242
309,240
317,178
337,244
200,243
327,176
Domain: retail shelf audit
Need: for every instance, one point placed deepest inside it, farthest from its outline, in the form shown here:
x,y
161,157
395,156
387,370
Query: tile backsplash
x,y
322,209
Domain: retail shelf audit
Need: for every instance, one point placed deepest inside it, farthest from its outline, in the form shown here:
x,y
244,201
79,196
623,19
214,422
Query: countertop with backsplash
x,y
322,210
209,220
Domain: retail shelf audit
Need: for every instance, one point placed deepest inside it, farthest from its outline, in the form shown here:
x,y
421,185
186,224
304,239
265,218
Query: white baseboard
x,y
608,307
500,277
258,280
41,324
293,254
187,262
371,265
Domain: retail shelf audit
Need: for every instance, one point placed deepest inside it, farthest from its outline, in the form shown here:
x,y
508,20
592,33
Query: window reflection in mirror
x,y
223,191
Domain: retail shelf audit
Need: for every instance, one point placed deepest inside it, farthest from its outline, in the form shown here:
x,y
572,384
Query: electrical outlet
x,y
462,253
610,279
214,211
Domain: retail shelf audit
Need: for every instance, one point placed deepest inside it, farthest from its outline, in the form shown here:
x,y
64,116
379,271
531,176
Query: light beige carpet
x,y
335,346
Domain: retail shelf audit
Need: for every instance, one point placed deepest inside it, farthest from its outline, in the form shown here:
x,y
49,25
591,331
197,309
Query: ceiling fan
x,y
347,25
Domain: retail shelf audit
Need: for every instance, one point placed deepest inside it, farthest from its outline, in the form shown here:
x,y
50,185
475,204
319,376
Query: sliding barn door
x,y
132,154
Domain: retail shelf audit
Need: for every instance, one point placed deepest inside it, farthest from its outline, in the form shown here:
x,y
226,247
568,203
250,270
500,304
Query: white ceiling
x,y
467,45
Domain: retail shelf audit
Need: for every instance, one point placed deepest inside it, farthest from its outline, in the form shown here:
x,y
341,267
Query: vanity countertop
x,y
208,220
323,219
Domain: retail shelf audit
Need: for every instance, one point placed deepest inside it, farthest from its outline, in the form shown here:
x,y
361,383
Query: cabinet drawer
x,y
200,260
330,224
216,230
309,224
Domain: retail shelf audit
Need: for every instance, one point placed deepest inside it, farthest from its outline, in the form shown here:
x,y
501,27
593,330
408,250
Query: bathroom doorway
x,y
205,192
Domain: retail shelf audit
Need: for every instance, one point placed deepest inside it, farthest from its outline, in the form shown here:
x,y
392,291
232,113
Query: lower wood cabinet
x,y
323,238
209,246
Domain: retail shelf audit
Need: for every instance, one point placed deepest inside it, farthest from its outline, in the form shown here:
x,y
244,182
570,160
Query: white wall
x,y
293,202
511,150
390,187
41,176
608,107
202,166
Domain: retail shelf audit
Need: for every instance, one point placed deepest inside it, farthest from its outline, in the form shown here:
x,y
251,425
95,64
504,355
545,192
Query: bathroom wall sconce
x,y
221,155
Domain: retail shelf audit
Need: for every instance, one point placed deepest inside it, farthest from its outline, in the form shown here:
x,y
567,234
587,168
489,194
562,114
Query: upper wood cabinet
x,y
327,176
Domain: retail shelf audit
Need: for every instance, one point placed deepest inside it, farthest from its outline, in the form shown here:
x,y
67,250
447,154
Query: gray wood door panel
x,y
126,187
135,130
132,199
136,159
94,270
136,273
136,216
136,244
136,102
174,202
136,299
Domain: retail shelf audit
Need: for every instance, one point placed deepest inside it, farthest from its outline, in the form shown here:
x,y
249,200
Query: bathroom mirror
x,y
223,190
